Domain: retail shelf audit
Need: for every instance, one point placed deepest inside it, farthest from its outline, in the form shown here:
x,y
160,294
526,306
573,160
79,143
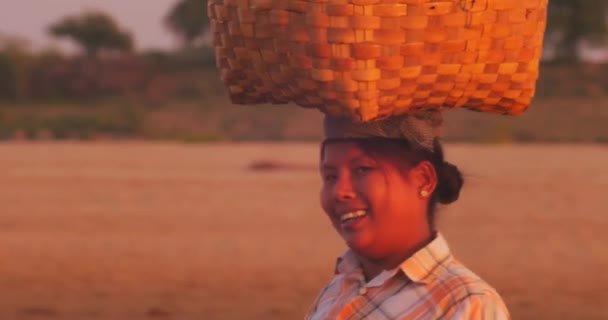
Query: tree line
x,y
96,31
570,24
573,22
108,63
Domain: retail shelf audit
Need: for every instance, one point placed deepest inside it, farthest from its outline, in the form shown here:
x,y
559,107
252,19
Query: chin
x,y
360,243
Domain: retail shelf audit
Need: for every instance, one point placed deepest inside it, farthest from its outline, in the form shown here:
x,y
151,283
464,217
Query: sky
x,y
30,18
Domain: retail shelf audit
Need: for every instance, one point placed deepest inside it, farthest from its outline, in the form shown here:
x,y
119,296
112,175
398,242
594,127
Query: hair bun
x,y
449,184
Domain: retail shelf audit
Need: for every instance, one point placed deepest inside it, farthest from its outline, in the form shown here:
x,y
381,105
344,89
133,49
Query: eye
x,y
329,177
363,169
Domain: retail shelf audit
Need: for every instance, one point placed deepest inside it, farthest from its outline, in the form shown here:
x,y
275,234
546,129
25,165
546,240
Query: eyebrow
x,y
327,167
361,158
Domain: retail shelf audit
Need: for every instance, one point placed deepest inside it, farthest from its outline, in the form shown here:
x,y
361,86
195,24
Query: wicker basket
x,y
370,59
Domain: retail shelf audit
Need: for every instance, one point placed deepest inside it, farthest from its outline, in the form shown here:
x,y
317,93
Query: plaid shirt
x,y
429,285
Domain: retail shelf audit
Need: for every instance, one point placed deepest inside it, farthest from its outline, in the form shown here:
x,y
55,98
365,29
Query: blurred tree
x,y
573,21
93,31
15,66
42,83
7,77
188,19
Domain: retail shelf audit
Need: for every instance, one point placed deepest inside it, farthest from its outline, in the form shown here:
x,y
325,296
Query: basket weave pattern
x,y
370,59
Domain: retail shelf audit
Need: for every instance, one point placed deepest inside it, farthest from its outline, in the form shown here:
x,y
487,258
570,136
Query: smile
x,y
352,215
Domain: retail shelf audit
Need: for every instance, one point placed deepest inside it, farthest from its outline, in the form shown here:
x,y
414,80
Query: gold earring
x,y
424,193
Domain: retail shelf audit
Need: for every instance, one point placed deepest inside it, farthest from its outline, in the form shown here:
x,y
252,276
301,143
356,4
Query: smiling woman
x,y
380,193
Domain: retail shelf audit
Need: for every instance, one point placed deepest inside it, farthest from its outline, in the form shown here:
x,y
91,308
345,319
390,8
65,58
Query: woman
x,y
382,182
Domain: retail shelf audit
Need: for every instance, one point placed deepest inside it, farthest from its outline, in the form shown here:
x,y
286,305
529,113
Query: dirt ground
x,y
179,231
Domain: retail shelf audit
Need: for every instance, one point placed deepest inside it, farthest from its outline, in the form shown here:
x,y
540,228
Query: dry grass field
x,y
184,231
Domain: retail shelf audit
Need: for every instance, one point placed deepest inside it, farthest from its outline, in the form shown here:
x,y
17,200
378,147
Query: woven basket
x,y
370,59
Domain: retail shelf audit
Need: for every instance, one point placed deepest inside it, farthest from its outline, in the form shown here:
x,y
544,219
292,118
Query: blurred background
x,y
91,70
127,190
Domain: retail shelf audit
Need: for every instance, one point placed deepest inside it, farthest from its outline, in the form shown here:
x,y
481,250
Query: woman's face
x,y
374,206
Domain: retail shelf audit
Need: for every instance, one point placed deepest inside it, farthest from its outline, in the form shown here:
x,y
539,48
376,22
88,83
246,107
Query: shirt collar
x,y
420,267
423,265
347,263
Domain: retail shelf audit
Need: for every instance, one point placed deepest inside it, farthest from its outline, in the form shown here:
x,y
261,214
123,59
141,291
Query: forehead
x,y
341,152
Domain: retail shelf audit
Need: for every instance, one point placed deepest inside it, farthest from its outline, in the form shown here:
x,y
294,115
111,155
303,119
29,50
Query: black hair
x,y
406,155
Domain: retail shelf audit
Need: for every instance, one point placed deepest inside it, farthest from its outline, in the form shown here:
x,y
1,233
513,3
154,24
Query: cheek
x,y
405,198
325,199
388,195
374,188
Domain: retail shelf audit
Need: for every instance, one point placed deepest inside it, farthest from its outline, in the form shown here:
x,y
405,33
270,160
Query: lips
x,y
352,219
351,215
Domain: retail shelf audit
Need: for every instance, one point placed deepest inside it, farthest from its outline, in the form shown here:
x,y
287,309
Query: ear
x,y
424,177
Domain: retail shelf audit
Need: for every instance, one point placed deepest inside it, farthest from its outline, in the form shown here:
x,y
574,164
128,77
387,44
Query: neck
x,y
374,266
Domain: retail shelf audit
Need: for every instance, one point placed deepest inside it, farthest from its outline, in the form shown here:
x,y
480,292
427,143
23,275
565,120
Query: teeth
x,y
353,215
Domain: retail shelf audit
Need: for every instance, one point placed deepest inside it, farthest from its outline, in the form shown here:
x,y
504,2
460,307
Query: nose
x,y
343,189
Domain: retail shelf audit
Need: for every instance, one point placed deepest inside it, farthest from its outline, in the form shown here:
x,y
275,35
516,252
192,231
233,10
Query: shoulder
x,y
460,281
464,295
478,306
328,297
